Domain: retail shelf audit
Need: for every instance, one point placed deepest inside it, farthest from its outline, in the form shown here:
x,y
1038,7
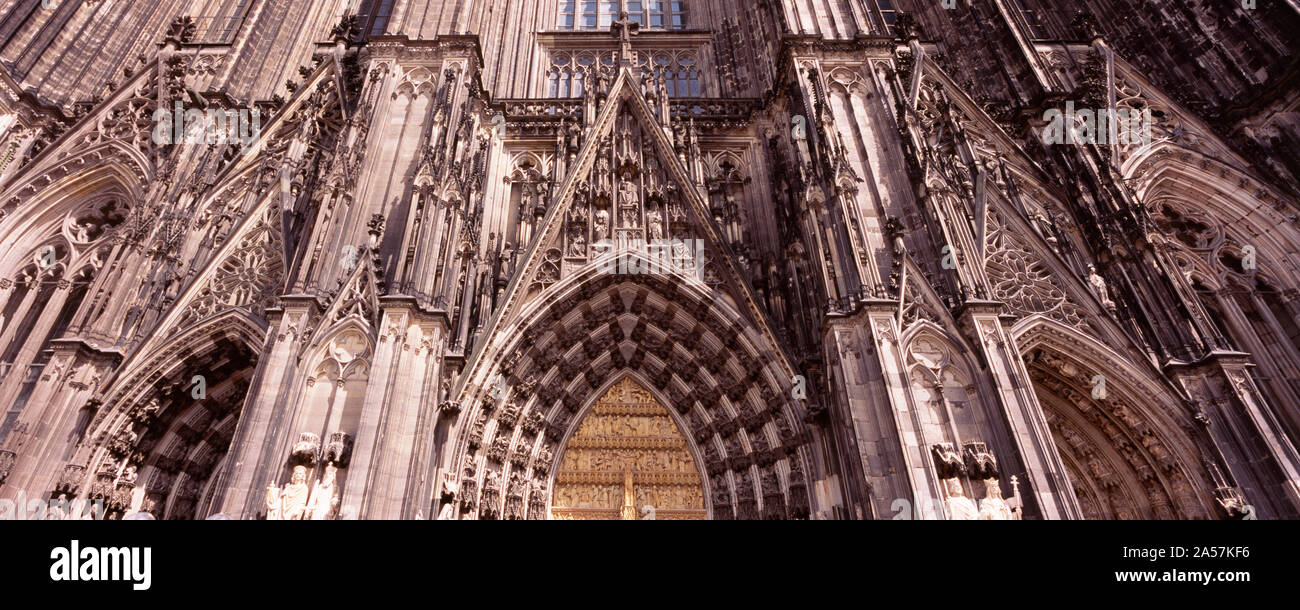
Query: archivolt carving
x,y
1120,464
738,416
152,430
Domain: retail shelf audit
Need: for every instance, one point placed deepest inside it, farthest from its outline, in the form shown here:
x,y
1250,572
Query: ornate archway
x,y
628,460
1123,438
527,395
158,442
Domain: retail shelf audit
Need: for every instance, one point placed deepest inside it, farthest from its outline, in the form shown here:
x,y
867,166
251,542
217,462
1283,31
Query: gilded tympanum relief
x,y
627,461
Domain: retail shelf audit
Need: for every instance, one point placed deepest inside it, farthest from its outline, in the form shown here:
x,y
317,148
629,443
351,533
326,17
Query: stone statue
x,y
324,499
603,172
960,508
448,511
629,203
652,171
654,218
993,507
577,243
574,137
293,499
601,225
1099,287
58,509
273,507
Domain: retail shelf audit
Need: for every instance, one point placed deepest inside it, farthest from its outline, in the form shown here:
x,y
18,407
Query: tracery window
x,y
1242,296
599,14
683,78
570,71
38,301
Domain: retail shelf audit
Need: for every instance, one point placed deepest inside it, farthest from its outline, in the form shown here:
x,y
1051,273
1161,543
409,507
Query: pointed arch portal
x,y
628,460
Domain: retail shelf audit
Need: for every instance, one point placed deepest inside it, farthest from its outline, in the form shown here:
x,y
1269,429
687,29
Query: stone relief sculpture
x,y
629,208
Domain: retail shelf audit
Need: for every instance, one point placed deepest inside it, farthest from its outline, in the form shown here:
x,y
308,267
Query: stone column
x,y
50,312
1045,478
53,416
903,470
391,471
262,436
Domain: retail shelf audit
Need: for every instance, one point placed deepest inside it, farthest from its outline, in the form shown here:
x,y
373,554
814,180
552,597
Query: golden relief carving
x,y
628,460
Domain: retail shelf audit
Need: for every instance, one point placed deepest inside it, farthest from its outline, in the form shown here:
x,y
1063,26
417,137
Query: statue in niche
x,y
1044,227
324,501
604,78
578,209
274,511
960,508
628,512
577,242
654,91
525,199
541,189
652,177
654,218
629,203
293,499
590,84
601,228
993,507
604,174
1099,287
574,136
627,148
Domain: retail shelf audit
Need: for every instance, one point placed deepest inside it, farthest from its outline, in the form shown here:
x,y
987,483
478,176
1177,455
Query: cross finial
x,y
624,28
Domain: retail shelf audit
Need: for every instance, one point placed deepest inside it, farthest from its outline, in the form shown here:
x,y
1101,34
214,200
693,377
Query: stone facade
x,y
777,259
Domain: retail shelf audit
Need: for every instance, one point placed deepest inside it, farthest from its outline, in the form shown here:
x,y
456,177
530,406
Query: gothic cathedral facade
x,y
651,259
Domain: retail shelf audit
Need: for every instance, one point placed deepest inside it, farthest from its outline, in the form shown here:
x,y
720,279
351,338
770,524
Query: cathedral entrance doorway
x,y
628,460
1122,463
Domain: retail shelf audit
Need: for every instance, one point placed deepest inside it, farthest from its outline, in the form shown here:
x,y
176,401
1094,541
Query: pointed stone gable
x,y
359,292
629,207
1022,279
250,275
